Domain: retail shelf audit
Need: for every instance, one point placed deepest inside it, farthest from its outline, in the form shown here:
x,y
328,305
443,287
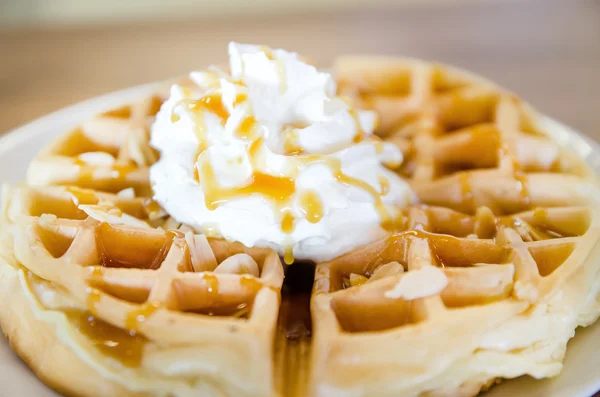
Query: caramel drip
x,y
522,184
240,98
360,134
93,297
82,196
291,146
135,317
287,222
278,189
250,284
211,102
212,285
335,166
106,237
96,272
109,340
523,187
86,172
385,184
288,254
311,206
467,198
268,52
247,130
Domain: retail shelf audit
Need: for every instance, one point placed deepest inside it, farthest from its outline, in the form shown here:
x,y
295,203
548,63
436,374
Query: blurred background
x,y
57,52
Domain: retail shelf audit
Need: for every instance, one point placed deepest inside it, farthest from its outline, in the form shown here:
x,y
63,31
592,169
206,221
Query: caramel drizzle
x,y
277,189
111,341
82,196
135,317
311,206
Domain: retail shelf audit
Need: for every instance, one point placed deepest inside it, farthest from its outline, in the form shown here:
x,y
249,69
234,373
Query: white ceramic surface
x,y
579,378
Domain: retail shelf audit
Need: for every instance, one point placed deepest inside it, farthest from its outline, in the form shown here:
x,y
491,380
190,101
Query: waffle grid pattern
x,y
493,227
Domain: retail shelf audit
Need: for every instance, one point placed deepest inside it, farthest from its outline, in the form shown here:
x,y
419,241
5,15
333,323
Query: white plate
x,y
579,378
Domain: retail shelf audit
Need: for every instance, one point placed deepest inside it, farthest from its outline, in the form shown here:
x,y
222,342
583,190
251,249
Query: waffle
x,y
489,276
485,278
100,283
109,152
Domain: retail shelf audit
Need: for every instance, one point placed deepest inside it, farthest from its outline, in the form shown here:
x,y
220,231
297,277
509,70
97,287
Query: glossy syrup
x,y
111,341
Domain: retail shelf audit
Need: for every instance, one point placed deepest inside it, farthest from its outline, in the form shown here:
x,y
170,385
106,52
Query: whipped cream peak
x,y
269,156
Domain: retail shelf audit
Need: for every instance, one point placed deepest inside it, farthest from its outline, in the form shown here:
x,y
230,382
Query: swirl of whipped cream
x,y
269,156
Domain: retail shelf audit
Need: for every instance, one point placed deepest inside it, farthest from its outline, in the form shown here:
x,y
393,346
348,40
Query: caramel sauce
x,y
93,297
135,317
111,341
247,129
82,196
251,284
211,102
288,254
278,189
385,184
86,171
212,285
240,98
378,146
311,206
96,272
360,134
335,166
106,237
241,310
466,191
540,217
291,146
522,182
151,207
268,52
287,221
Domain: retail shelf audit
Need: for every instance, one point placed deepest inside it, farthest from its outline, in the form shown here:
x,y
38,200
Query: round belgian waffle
x,y
485,278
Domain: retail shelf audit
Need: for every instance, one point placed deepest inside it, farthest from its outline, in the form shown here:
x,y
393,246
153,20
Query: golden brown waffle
x,y
110,152
125,301
486,278
502,275
488,285
151,311
466,142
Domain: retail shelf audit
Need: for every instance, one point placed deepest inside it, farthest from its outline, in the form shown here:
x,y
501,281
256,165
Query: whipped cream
x,y
269,156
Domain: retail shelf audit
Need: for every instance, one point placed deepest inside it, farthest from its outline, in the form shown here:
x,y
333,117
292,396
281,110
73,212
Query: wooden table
x,y
546,51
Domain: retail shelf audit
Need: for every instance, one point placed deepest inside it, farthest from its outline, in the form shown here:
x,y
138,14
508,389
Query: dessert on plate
x,y
167,247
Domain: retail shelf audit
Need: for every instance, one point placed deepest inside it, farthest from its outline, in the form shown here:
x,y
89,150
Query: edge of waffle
x,y
131,310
